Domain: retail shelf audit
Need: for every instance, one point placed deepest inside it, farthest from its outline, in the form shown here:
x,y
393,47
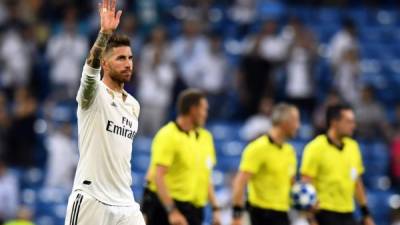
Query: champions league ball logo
x,y
304,196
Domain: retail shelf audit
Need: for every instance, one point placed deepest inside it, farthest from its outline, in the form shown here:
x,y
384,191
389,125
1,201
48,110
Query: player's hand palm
x,y
109,19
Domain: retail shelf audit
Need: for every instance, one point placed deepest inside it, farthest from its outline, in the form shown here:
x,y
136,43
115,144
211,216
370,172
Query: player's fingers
x,y
100,7
112,6
118,16
105,4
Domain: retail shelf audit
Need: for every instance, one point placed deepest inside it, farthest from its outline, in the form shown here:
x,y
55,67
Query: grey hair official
x,y
281,112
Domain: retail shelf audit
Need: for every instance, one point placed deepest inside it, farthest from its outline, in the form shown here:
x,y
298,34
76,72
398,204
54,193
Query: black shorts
x,y
155,214
259,216
325,217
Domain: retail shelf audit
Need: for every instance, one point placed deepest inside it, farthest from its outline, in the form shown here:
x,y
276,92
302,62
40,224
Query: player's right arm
x,y
109,20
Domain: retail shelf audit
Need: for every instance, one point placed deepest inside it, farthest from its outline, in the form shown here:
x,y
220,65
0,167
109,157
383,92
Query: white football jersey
x,y
107,126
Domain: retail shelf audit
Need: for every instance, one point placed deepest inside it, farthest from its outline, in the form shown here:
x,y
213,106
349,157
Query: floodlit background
x,y
246,55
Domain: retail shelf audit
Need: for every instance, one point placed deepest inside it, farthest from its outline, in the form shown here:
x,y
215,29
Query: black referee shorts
x,y
325,217
155,214
260,216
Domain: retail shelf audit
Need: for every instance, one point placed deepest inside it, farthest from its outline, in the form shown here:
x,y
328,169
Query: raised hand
x,y
109,18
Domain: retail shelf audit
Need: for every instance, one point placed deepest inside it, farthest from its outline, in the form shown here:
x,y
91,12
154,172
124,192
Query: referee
x,y
332,162
182,159
268,166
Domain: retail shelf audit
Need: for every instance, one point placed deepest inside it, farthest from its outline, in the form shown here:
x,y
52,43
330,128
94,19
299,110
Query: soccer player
x,y
107,124
182,160
268,166
332,163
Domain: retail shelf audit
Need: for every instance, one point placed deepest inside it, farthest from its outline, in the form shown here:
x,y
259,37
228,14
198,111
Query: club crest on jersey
x,y
113,104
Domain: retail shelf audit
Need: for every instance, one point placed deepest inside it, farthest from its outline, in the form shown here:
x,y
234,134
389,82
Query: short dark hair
x,y
187,99
335,112
118,40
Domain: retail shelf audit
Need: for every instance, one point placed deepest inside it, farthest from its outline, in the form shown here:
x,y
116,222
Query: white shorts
x,y
83,209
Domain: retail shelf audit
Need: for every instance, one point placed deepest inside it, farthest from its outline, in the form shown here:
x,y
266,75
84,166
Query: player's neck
x,y
334,137
113,85
185,123
277,135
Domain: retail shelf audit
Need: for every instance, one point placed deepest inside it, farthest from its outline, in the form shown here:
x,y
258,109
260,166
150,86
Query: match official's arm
x,y
109,20
239,186
174,216
361,199
214,205
311,213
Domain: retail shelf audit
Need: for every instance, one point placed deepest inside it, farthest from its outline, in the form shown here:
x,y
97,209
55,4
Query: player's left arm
x,y
362,200
214,204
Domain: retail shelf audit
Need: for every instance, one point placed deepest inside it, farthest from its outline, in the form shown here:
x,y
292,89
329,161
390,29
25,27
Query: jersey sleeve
x,y
163,150
310,161
88,86
359,162
251,161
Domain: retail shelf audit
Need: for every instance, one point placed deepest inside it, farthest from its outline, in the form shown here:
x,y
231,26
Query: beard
x,y
119,77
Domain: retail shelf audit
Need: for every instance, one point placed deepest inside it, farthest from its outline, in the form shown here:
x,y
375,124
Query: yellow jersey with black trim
x,y
335,170
272,167
190,158
205,145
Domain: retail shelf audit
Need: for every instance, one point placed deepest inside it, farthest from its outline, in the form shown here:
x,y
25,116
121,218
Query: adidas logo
x,y
113,104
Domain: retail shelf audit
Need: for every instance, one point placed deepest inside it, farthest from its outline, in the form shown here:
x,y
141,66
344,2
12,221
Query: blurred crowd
x,y
43,45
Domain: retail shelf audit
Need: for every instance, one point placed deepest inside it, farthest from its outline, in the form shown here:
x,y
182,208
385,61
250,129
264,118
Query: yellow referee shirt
x,y
272,168
334,170
207,160
189,156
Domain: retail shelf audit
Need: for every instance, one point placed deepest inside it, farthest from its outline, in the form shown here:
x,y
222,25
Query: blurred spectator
x,y
188,50
63,148
344,40
396,120
212,75
273,47
129,27
299,67
395,220
243,13
254,79
16,53
370,117
156,80
395,149
24,217
212,68
66,52
395,160
8,193
195,9
347,73
4,125
319,119
22,137
260,123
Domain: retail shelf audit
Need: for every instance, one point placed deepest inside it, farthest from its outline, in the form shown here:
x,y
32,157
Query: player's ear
x,y
104,63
